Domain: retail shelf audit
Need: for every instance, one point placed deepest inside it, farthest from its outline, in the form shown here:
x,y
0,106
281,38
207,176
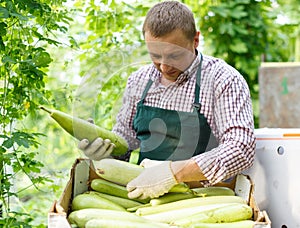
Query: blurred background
x,y
75,56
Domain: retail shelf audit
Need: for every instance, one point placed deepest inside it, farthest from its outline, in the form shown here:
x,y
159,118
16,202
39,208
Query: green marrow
x,y
82,129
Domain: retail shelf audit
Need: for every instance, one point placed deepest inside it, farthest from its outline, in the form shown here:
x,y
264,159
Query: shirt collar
x,y
184,76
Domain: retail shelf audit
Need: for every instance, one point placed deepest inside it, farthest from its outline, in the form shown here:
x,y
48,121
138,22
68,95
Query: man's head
x,y
167,16
171,38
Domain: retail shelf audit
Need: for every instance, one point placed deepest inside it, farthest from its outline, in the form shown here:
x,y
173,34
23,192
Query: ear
x,y
196,39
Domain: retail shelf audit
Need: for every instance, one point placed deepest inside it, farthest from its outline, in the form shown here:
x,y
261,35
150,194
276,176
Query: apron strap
x,y
149,83
197,103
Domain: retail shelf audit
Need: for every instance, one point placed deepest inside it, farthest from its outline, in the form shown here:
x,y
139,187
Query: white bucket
x,y
275,174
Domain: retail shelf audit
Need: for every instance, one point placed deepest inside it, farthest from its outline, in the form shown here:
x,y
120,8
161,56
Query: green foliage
x,y
111,48
233,29
284,35
243,33
26,28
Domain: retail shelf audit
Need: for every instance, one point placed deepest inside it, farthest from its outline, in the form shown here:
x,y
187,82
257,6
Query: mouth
x,y
171,72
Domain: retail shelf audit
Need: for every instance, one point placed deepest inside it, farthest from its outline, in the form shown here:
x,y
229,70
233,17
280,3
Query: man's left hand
x,y
153,182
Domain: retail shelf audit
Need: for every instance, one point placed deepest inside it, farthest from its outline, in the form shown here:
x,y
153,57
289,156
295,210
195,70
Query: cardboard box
x,y
83,172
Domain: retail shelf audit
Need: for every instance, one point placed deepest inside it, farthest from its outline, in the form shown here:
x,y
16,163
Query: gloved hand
x,y
97,149
155,180
146,163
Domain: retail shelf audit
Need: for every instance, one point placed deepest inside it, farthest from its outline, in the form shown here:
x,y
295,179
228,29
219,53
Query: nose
x,y
164,67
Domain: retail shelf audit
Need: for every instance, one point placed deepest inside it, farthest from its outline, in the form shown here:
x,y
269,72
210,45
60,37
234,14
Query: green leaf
x,y
3,29
238,47
238,12
8,143
2,149
22,142
221,10
227,28
239,29
8,59
37,34
42,59
73,42
51,41
4,12
2,45
19,16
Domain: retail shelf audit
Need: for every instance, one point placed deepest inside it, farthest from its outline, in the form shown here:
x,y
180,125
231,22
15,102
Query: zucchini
x,y
82,129
133,209
191,193
116,223
121,173
188,203
171,197
213,191
81,217
107,187
82,201
225,214
180,187
126,203
239,224
117,171
176,214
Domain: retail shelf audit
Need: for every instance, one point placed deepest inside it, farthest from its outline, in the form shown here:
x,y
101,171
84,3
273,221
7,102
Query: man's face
x,y
172,53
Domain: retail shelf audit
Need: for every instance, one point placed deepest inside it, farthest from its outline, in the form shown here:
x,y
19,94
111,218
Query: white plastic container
x,y
276,174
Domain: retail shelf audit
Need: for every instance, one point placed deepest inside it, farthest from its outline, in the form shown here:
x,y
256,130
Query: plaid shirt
x,y
226,104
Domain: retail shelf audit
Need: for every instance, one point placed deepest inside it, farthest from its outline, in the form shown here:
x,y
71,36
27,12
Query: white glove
x,y
155,180
97,149
147,163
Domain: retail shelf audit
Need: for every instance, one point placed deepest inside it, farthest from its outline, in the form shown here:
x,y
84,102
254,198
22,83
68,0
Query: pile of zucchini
x,y
106,204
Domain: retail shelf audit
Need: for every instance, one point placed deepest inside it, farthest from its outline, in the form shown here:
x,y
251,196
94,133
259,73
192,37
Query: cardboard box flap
x,y
262,220
81,177
243,187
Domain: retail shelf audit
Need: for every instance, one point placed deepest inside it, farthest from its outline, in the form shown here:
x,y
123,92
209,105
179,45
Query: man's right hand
x,y
97,149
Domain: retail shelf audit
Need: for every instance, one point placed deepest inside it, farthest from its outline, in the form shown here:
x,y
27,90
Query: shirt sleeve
x,y
234,127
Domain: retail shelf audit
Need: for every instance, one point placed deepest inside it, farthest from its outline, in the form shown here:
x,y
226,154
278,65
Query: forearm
x,y
189,172
225,161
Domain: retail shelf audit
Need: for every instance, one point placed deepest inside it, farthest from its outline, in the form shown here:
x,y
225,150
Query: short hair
x,y
167,16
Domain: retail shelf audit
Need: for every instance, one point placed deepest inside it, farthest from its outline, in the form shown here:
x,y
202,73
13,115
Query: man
x,y
173,108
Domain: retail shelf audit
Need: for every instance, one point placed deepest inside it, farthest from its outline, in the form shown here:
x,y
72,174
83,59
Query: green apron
x,y
169,134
